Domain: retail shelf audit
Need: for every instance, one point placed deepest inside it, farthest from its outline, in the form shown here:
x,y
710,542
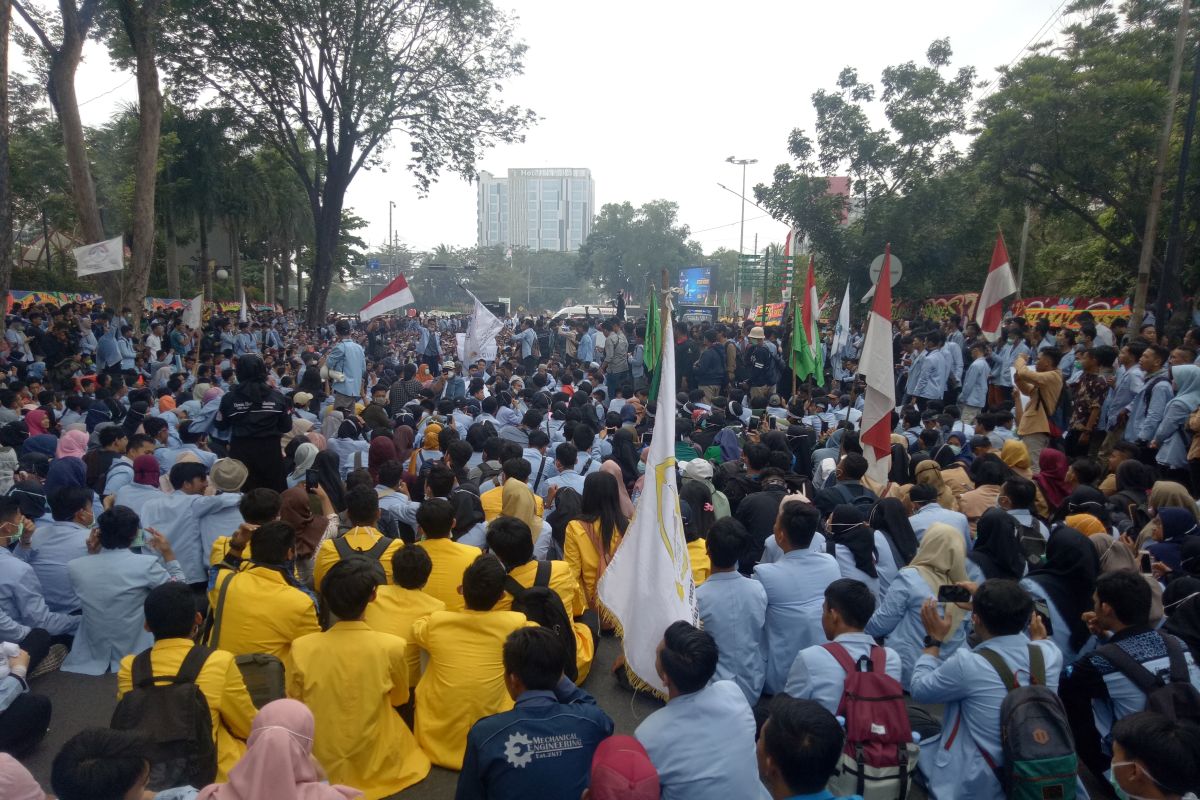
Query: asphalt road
x,y
81,702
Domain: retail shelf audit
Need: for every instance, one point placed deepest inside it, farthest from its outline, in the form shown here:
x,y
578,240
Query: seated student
x,y
362,510
172,618
928,512
509,540
258,607
228,475
464,680
733,609
566,457
58,543
492,500
550,712
1018,496
120,473
106,763
352,678
256,508
817,674
849,487
24,717
398,605
969,683
798,749
795,586
178,516
1098,690
25,618
1156,757
435,521
715,760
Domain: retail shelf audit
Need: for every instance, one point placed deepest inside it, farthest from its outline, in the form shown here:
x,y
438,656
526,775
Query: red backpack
x,y
879,757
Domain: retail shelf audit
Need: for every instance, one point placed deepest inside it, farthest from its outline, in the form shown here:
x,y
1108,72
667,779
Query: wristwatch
x,y
931,642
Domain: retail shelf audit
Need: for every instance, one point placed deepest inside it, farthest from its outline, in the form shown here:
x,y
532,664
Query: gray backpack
x,y
1038,748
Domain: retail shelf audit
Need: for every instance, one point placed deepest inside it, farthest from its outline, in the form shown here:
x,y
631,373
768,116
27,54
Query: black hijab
x,y
997,550
888,517
849,529
1183,607
328,467
1068,576
899,469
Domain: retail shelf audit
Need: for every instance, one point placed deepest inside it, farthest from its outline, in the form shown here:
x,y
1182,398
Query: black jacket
x,y
247,418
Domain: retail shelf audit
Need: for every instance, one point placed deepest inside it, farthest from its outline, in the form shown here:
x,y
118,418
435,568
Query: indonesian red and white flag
x,y
876,365
395,295
989,312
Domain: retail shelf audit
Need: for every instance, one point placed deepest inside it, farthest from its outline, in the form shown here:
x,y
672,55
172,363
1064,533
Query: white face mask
x,y
1121,793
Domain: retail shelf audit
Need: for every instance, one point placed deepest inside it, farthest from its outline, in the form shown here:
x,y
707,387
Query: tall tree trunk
x,y
205,277
269,277
285,273
6,240
172,255
328,229
141,26
300,287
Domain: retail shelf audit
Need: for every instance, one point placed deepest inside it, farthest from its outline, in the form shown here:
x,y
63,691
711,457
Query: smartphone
x,y
646,438
1145,563
1043,610
950,593
141,539
772,422
310,480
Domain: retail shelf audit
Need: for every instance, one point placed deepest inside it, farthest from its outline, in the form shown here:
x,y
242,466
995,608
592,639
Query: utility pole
x,y
1150,235
391,242
743,162
1167,288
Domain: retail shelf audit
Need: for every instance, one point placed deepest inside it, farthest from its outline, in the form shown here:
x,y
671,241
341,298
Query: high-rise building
x,y
540,209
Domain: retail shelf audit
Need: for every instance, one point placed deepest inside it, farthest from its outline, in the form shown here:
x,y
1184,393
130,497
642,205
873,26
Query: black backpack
x,y
864,501
1033,544
1175,697
372,554
541,604
173,714
1035,735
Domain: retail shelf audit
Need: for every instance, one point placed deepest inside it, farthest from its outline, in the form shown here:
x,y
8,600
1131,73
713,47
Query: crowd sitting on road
x,y
322,561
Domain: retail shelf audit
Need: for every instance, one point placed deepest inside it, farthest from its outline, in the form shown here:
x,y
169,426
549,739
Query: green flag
x,y
652,346
804,360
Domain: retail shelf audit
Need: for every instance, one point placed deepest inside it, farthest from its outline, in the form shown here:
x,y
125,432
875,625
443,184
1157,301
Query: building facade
x,y
538,209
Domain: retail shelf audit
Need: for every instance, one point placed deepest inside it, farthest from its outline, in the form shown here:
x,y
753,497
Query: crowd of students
x,y
361,559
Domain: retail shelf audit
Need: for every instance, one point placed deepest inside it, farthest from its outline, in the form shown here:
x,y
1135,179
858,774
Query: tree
x,y
628,247
6,209
327,84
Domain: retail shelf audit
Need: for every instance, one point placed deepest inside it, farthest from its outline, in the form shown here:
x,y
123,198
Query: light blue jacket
x,y
702,746
733,608
348,358
112,586
1005,357
931,513
134,496
1172,435
795,586
1144,417
24,604
1126,386
898,618
975,384
51,549
972,691
816,674
222,522
177,516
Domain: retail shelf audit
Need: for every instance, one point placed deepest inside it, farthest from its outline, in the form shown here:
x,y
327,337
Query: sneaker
x,y
52,661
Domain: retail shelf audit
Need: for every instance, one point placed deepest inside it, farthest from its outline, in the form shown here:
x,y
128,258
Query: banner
x,y
480,339
24,299
92,259
192,313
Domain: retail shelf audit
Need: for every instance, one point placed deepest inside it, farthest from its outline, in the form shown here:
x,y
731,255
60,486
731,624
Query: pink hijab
x,y
614,469
33,422
73,444
15,781
278,762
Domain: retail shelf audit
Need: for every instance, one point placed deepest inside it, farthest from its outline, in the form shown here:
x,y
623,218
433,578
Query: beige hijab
x,y
941,559
1165,494
928,472
1116,556
517,501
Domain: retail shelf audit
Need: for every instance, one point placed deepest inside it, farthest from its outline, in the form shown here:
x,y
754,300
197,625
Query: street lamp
x,y
743,162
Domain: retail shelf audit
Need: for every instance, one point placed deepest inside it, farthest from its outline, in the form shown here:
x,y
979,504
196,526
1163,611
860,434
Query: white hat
x,y
757,333
448,365
698,469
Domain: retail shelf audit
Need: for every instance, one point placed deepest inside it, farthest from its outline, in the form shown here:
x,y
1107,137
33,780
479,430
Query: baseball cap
x,y
698,470
621,770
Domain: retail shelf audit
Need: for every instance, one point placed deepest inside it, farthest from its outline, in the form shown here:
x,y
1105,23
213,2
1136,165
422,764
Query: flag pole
x,y
795,310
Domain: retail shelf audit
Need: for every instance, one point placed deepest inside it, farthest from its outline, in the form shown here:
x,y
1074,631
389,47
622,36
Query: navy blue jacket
x,y
542,748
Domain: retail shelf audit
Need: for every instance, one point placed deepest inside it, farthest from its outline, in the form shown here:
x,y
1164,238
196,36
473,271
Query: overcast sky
x,y
652,96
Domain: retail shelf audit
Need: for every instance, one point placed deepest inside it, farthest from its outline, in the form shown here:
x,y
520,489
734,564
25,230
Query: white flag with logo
x,y
841,334
649,583
242,315
480,341
92,259
192,314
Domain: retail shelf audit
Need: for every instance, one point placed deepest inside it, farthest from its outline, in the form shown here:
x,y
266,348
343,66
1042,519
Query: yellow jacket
x,y
221,683
221,547
493,501
450,560
701,563
464,680
361,539
567,588
583,557
262,613
393,611
351,677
